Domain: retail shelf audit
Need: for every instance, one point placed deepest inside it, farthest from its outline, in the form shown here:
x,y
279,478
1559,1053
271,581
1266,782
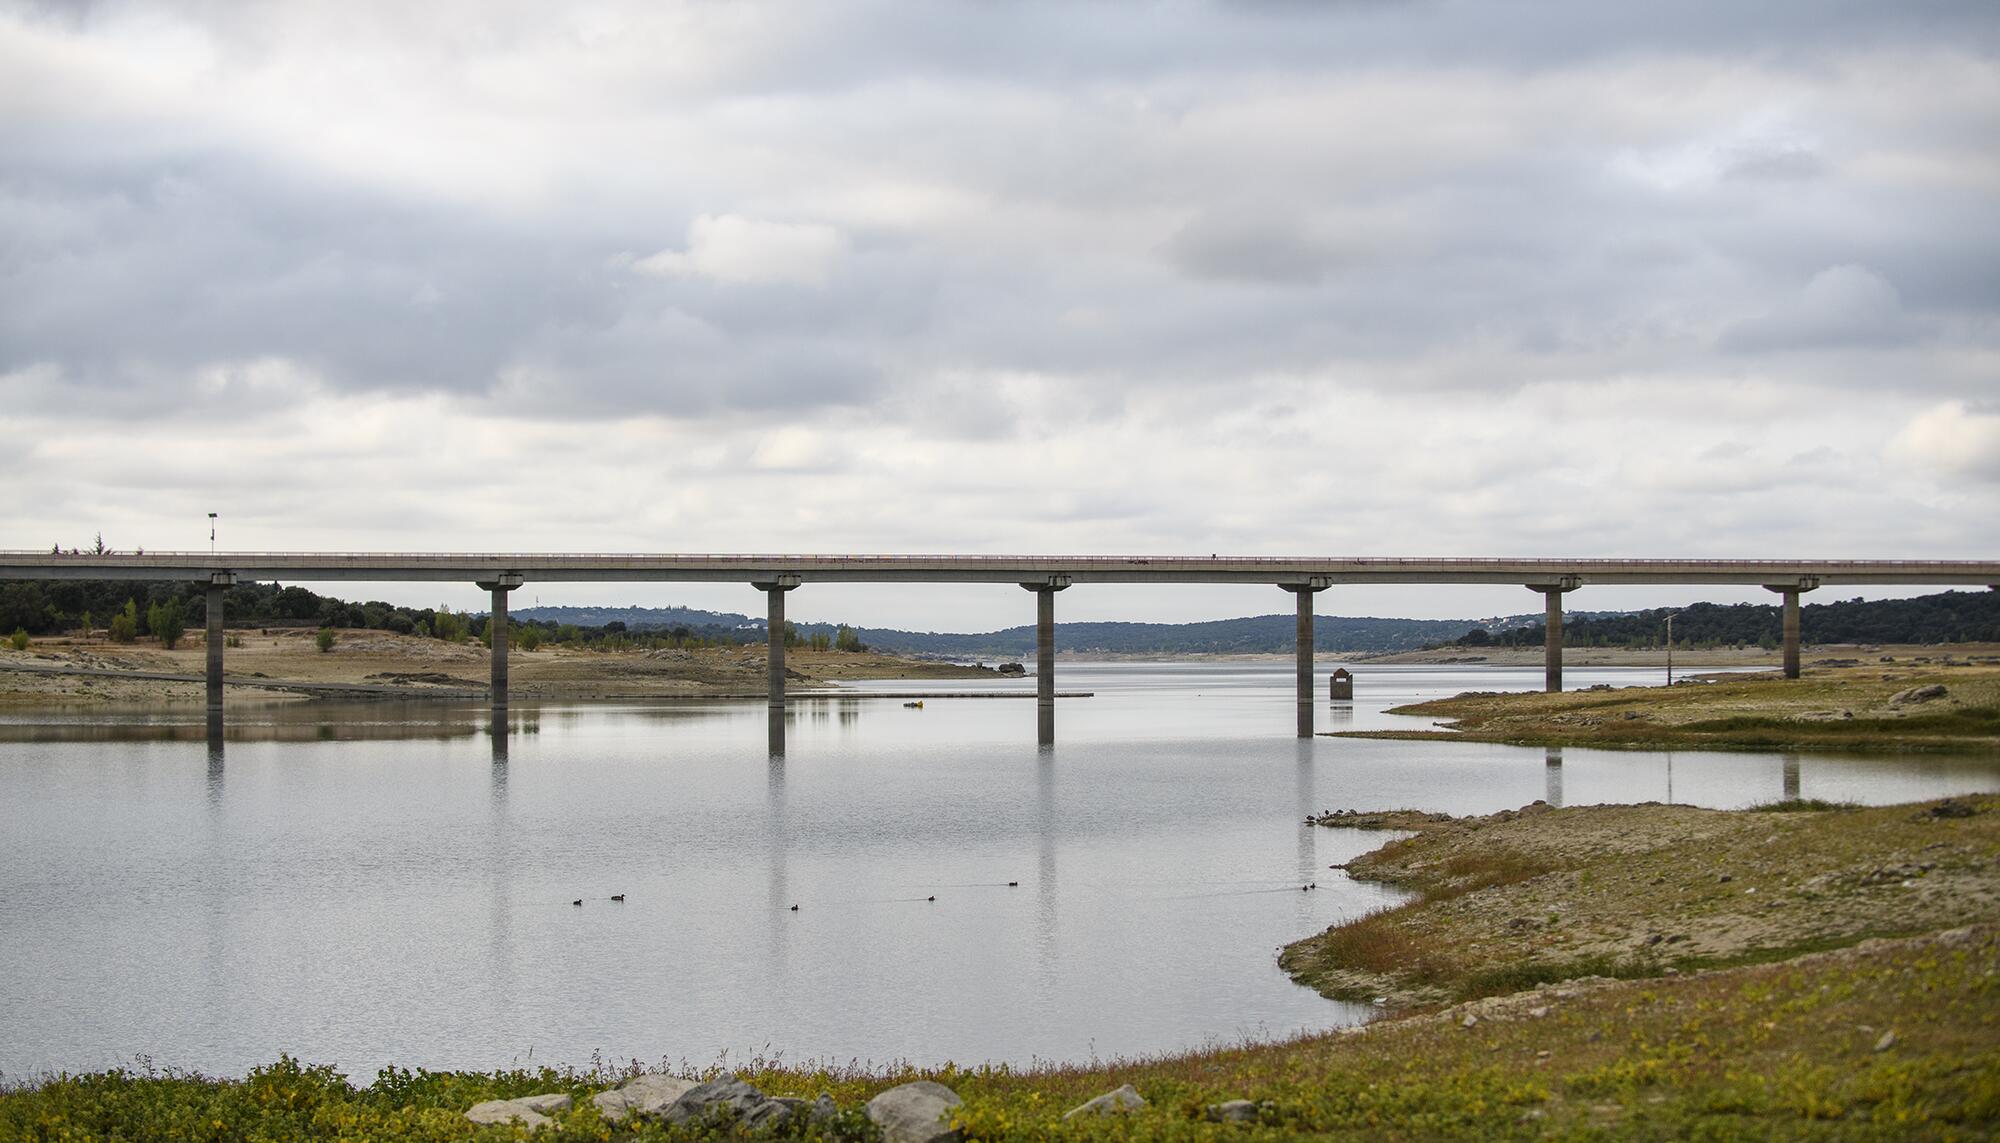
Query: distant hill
x,y
1250,635
1953,616
637,618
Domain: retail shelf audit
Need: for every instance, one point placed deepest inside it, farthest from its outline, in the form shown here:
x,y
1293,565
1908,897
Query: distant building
x,y
1340,684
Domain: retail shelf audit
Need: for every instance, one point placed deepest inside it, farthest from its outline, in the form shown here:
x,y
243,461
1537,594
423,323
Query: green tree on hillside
x,y
125,624
168,621
448,625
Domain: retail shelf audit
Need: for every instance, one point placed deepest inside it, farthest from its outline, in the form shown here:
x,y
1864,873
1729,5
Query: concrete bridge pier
x,y
1045,656
1790,592
218,582
774,590
496,633
1552,629
1303,646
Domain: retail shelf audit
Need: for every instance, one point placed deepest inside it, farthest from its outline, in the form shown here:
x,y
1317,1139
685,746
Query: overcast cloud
x,y
1371,278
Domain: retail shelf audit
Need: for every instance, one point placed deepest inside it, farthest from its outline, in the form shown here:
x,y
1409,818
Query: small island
x,y
1925,702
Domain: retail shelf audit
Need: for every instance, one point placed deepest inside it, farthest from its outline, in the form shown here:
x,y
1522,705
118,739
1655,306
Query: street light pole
x,y
211,533
1670,647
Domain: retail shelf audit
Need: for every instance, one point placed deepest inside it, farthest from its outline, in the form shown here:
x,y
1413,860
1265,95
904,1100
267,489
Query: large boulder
x,y
1119,1099
1918,694
648,1095
918,1112
753,1109
530,1111
1232,1111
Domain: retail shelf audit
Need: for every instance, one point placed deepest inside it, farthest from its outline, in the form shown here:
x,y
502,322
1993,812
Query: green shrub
x,y
528,638
324,640
167,621
125,625
19,639
448,625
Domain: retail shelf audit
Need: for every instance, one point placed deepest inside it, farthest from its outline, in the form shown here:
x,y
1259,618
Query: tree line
x,y
165,609
1948,617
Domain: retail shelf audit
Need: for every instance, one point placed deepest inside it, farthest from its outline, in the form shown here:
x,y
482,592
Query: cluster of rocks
x,y
438,677
1918,695
918,1112
1384,819
667,1099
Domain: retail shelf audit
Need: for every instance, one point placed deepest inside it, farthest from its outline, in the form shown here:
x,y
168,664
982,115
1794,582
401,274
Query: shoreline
x,y
1887,706
284,665
1539,896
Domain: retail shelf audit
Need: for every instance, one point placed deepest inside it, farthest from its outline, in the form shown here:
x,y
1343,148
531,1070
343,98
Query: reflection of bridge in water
x,y
776,575
1552,772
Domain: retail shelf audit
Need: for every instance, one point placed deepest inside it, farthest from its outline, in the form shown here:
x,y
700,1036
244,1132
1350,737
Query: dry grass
x,y
1848,708
1528,896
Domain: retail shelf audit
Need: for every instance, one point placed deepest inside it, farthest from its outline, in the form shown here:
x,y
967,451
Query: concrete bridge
x,y
776,574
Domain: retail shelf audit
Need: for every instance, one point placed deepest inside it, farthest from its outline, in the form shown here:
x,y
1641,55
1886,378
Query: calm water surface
x,y
361,884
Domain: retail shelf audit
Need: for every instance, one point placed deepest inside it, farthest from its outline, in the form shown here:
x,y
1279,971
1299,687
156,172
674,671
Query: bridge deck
x,y
631,567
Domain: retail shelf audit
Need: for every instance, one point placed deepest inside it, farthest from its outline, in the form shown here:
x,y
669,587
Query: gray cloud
x,y
1083,271
1842,307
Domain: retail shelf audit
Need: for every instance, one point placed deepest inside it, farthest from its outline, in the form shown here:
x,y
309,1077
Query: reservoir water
x,y
360,884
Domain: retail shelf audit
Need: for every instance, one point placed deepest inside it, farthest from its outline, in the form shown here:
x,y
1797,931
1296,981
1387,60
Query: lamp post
x,y
1670,647
211,533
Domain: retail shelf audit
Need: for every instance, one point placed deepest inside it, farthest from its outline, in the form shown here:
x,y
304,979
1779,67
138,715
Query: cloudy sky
x,y
1366,278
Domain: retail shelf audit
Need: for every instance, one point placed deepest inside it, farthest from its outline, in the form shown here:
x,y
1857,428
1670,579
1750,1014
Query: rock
x,y
518,1110
553,1103
1014,669
1918,694
918,1112
641,1095
1469,1021
1887,1041
1538,1012
1120,1099
753,1108
1231,1111
1951,808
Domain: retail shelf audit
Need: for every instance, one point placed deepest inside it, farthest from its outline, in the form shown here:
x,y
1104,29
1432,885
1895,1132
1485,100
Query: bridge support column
x,y
218,582
1045,656
1303,647
1552,629
774,590
496,634
1790,592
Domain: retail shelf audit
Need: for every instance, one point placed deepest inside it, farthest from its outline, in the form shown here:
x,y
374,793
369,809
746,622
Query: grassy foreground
x,y
1878,1038
1786,1051
1843,708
